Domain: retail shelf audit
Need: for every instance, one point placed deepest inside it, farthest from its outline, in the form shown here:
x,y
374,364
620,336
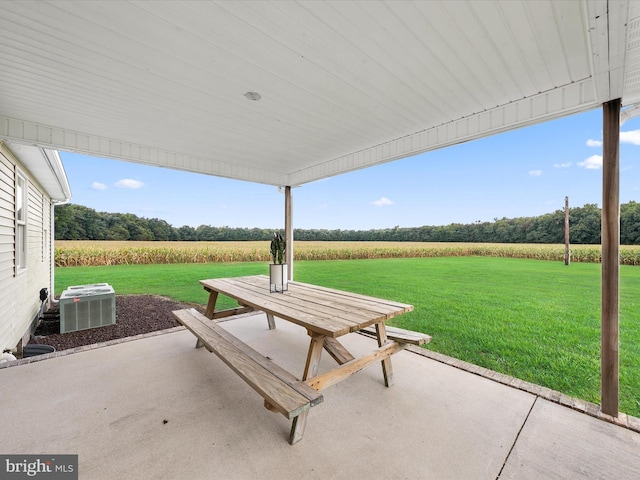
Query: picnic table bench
x,y
283,391
326,314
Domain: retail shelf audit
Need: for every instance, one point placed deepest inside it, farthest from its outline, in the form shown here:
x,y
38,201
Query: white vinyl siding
x,y
19,293
7,218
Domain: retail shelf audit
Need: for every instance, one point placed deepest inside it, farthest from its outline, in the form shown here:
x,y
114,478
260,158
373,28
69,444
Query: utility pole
x,y
567,254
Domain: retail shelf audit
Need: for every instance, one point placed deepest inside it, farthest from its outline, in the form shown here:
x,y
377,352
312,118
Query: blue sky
x,y
525,172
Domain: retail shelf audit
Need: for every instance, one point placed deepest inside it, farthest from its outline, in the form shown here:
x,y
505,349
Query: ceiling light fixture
x,y
253,96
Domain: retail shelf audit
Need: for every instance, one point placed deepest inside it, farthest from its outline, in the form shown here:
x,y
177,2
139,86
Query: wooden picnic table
x,y
326,314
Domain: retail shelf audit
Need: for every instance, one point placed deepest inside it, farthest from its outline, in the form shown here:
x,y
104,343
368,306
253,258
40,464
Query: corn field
x,y
69,253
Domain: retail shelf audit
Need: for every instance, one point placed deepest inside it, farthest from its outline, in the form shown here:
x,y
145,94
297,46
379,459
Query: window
x,y
45,239
21,221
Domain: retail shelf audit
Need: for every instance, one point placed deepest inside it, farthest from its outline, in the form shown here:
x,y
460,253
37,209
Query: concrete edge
x,y
577,404
93,346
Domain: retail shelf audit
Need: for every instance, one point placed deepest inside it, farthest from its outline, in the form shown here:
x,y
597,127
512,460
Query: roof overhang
x,y
45,166
343,85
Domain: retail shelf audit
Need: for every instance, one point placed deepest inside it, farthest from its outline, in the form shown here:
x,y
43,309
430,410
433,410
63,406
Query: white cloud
x,y
562,165
594,162
382,202
632,136
129,183
98,186
535,173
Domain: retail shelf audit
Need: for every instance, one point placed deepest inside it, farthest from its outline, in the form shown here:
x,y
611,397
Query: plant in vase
x,y
278,269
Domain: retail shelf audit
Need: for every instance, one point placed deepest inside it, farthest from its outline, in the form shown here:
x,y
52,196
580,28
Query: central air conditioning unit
x,y
87,306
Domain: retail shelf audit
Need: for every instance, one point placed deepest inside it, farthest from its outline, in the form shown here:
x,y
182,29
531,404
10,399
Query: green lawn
x,y
536,320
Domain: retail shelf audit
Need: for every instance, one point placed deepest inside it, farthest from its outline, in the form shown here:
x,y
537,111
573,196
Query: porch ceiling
x,y
343,85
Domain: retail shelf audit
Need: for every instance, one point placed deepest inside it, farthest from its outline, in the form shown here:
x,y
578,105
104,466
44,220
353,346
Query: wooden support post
x,y
610,257
567,251
288,229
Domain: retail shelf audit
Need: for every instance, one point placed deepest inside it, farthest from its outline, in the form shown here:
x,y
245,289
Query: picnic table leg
x,y
310,370
271,321
211,306
387,369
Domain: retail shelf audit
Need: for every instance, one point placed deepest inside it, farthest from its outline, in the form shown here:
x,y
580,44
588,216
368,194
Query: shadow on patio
x,y
158,408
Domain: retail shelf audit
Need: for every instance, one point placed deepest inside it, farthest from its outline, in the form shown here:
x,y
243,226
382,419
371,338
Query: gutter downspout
x,y
52,233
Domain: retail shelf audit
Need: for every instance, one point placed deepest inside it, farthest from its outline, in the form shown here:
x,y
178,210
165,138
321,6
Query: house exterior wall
x,y
20,287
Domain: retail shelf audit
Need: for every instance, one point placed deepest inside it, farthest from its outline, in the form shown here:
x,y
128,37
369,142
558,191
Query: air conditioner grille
x,y
87,306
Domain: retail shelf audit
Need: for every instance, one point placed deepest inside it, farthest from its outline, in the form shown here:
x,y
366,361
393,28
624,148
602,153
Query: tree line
x,y
76,222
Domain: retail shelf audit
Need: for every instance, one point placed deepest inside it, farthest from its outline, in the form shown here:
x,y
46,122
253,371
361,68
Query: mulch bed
x,y
135,314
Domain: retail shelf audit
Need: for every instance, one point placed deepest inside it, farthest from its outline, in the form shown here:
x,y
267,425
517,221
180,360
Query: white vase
x,y
278,277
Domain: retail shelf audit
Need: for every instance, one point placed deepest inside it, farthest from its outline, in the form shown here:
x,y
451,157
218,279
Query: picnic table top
x,y
321,310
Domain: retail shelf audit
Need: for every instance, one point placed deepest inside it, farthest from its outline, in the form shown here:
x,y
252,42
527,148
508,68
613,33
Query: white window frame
x,y
43,243
22,209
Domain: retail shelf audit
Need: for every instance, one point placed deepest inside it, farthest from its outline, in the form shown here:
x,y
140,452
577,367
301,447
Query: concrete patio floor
x,y
157,408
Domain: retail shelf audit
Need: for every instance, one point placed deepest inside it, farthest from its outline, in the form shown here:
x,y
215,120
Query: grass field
x,y
535,320
85,253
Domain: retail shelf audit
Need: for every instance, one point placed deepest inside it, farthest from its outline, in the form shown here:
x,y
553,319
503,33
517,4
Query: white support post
x,y
288,229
